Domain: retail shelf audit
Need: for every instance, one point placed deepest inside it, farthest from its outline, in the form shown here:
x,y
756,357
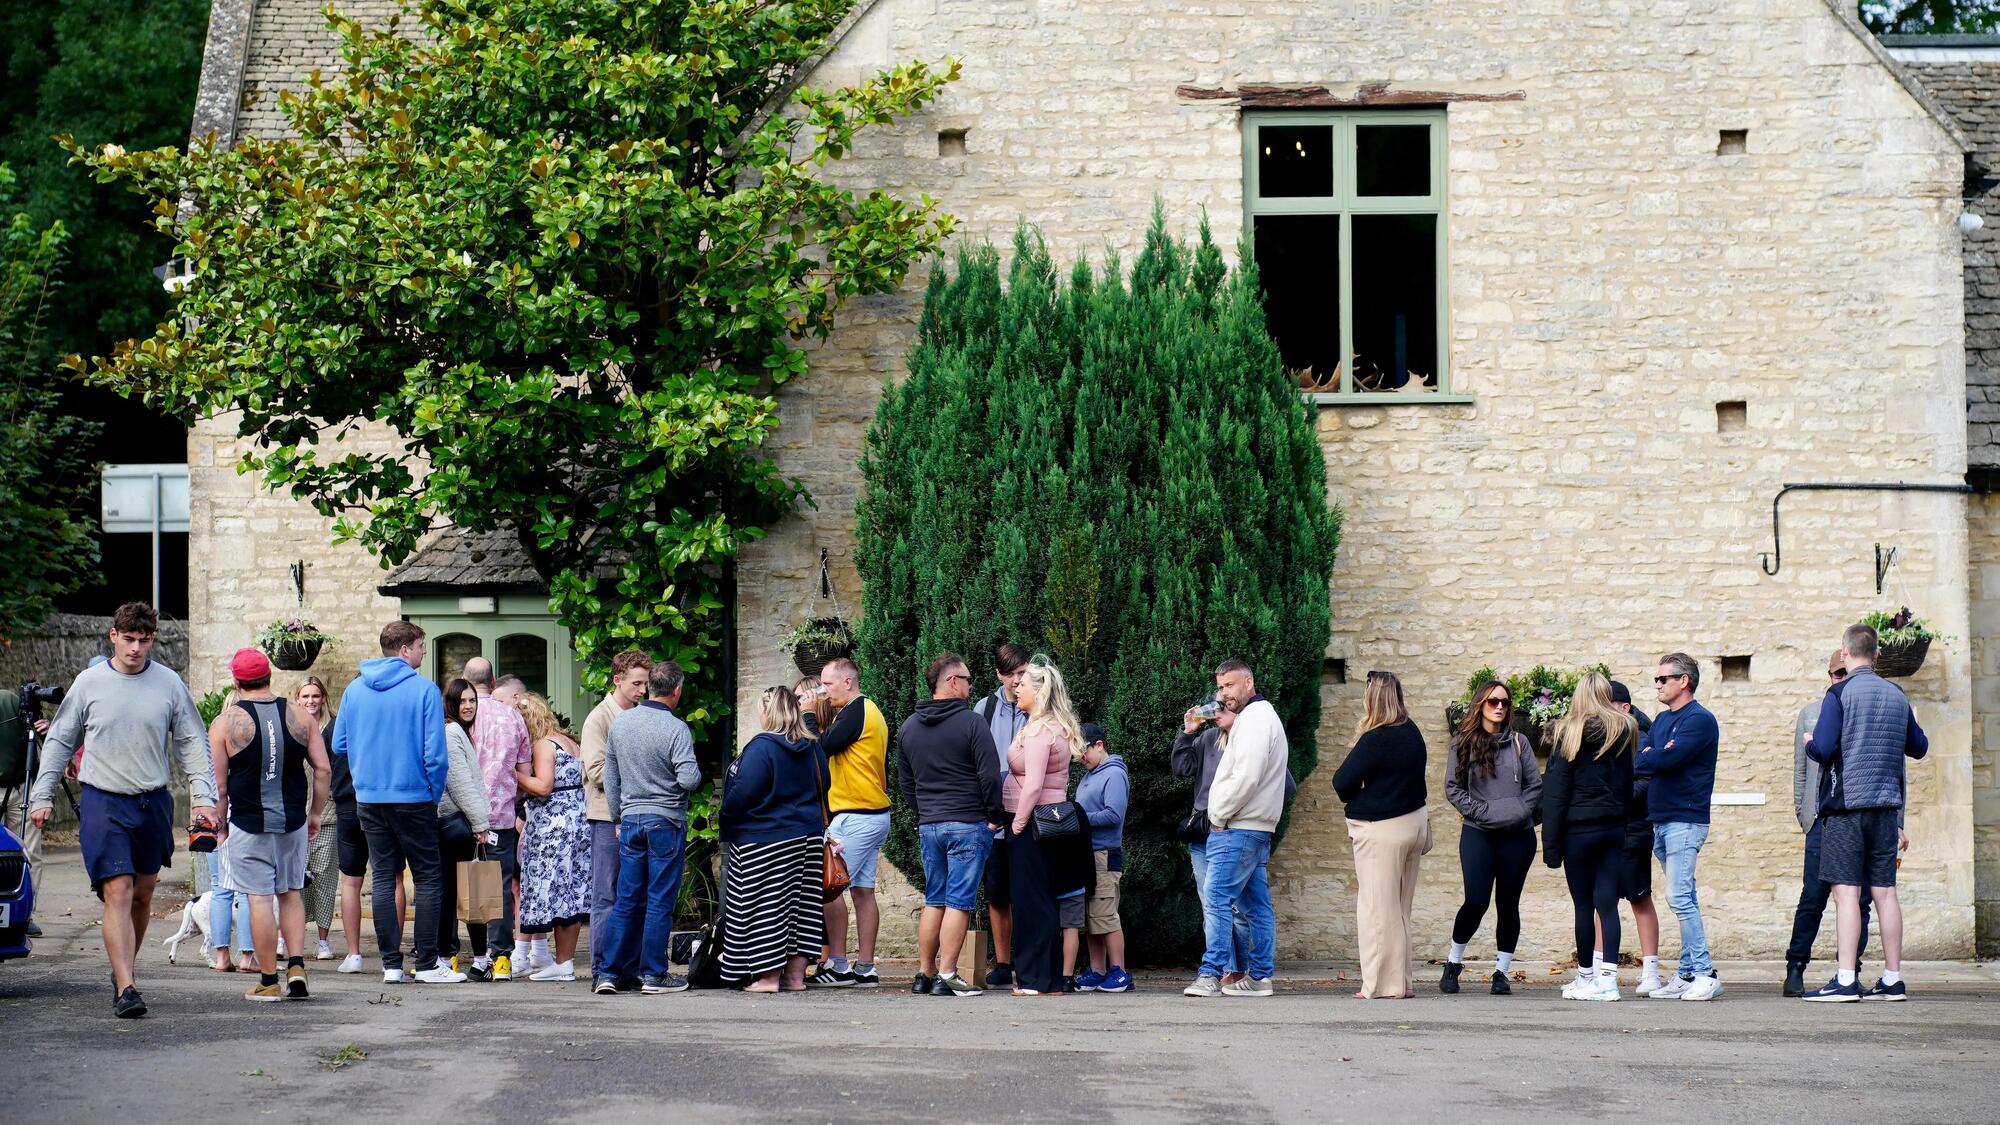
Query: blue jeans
x,y
1677,845
650,851
1236,859
228,915
1239,929
954,859
603,888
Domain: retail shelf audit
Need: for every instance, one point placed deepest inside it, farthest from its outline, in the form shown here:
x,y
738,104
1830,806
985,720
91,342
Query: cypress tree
x,y
1116,472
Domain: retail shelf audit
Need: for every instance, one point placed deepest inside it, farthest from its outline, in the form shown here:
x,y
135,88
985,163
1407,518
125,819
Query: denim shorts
x,y
954,857
861,836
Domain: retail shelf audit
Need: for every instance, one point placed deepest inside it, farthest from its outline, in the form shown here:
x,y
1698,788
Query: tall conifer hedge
x,y
1118,474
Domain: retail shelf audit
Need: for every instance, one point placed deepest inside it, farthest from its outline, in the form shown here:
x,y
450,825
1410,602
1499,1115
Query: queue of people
x,y
594,830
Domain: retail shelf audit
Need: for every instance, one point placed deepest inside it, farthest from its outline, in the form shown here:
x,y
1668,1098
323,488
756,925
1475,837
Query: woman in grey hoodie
x,y
1491,779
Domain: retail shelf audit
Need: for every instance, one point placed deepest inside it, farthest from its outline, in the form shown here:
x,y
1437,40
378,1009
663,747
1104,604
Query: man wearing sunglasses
x,y
1678,753
1809,786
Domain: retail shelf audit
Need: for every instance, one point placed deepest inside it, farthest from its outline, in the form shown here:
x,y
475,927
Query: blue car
x,y
17,897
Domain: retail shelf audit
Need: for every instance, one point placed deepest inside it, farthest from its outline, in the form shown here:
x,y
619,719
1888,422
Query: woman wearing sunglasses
x,y
1491,779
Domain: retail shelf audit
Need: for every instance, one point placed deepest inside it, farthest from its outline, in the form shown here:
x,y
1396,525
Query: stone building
x,y
1605,279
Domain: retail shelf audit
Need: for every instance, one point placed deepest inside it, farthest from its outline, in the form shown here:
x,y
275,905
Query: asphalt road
x,y
413,1054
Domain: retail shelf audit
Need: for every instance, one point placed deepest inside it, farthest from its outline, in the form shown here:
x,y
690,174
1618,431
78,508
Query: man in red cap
x,y
261,749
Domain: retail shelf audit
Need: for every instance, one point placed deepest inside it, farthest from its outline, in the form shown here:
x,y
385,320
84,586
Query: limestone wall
x,y
1984,532
1611,279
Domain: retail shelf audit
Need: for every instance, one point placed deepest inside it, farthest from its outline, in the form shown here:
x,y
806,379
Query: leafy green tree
x,y
100,70
1119,475
562,252
45,472
1930,17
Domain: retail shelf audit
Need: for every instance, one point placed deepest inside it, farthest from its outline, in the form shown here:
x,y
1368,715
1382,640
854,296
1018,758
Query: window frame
x,y
1345,203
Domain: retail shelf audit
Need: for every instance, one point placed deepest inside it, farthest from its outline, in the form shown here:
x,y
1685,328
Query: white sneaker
x,y
1649,984
537,961
350,963
1604,989
1578,989
282,954
440,975
555,970
392,976
324,952
1703,988
1672,990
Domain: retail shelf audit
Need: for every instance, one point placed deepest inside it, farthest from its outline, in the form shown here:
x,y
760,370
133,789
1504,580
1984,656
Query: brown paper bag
x,y
480,897
974,957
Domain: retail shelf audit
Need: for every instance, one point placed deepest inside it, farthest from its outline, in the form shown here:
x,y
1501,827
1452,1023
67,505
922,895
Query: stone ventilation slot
x,y
1733,142
1333,671
1735,669
1732,417
951,142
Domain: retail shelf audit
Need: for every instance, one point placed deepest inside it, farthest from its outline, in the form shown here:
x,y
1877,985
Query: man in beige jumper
x,y
629,670
1244,804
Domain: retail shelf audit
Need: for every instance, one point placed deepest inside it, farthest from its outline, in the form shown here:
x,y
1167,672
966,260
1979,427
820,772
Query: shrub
x,y
1120,475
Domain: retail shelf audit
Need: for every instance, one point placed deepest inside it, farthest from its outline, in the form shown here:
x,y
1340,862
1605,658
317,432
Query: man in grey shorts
x,y
268,812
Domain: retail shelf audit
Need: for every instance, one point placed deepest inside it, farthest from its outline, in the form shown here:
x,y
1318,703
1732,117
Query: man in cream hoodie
x,y
1244,804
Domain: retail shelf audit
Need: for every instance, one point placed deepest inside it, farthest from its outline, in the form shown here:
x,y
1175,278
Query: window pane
x,y
1392,160
1294,161
1395,302
1298,262
527,657
452,651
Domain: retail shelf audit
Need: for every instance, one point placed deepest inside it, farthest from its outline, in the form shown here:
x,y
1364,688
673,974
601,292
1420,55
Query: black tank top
x,y
267,779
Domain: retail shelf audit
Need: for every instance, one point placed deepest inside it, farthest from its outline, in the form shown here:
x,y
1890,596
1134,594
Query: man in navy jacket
x,y
1678,754
1865,730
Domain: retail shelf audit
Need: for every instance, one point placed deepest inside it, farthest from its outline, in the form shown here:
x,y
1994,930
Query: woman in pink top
x,y
1037,774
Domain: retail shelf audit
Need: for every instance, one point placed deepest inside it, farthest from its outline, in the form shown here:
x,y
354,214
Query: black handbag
x,y
1057,821
1193,828
704,959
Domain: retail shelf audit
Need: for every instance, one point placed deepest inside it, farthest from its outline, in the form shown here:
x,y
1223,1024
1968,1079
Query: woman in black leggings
x,y
1491,779
1583,823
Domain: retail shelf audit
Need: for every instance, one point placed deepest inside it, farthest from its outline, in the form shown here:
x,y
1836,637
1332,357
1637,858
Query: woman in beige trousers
x,y
1382,783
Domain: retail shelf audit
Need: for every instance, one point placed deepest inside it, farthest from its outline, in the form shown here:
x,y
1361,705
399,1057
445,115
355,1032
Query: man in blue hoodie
x,y
1679,753
391,731
1102,795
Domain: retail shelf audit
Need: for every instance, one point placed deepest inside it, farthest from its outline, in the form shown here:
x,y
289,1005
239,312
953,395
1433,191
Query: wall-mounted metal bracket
x,y
1774,558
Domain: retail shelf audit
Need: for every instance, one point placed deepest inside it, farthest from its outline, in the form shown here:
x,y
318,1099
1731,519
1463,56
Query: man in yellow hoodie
x,y
857,755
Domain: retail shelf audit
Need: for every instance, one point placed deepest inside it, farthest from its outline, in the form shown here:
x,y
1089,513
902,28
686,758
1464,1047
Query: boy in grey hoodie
x,y
1102,794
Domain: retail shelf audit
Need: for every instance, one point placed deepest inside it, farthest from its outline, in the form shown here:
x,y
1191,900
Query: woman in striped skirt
x,y
773,821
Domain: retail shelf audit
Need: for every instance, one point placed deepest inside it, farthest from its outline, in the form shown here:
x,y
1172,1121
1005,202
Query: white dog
x,y
194,920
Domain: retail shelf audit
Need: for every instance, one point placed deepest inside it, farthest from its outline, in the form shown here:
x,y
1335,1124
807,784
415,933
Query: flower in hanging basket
x,y
1899,629
818,632
293,645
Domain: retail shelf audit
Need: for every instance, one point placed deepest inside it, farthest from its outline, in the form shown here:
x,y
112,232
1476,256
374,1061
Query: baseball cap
x,y
249,665
1620,693
1092,734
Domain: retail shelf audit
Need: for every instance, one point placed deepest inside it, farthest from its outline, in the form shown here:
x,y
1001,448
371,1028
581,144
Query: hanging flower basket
x,y
818,641
1903,641
1902,659
295,656
292,645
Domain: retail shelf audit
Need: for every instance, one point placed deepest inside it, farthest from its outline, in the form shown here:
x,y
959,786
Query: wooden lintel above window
x,y
1315,97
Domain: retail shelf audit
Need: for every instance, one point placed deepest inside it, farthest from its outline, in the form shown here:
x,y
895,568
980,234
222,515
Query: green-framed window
x,y
516,632
1346,212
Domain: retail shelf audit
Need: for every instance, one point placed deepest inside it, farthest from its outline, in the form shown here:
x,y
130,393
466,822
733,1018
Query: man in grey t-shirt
x,y
128,711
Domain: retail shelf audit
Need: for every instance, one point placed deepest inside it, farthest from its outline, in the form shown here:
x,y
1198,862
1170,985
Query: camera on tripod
x,y
34,697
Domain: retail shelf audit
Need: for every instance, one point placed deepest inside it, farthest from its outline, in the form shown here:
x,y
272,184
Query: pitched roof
x,y
466,562
1970,91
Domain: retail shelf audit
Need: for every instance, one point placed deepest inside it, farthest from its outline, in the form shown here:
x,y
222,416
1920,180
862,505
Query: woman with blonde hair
x,y
1038,774
1583,823
555,849
1382,783
773,821
320,893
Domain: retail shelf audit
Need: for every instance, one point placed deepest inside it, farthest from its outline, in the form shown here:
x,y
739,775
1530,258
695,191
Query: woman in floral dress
x,y
555,852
